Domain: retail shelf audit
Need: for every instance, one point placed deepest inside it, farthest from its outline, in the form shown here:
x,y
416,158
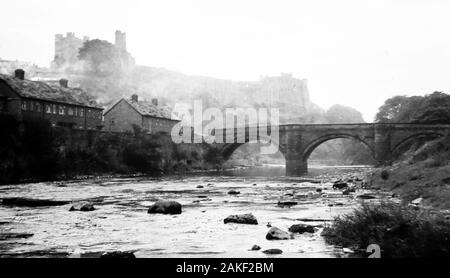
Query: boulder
x,y
366,197
301,228
348,250
84,206
118,255
348,191
200,186
319,190
241,219
255,248
27,202
286,203
417,201
277,234
340,185
234,192
165,207
273,251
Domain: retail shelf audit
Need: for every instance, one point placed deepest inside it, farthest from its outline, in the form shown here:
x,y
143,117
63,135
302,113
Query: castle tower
x,y
121,40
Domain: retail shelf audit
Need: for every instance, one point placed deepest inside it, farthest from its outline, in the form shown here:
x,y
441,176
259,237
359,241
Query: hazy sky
x,y
356,53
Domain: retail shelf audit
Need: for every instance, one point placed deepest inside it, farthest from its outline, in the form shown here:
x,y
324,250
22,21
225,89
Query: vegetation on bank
x,y
30,149
420,173
400,231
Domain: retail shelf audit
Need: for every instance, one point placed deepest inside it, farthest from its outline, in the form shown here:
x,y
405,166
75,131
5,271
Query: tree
x,y
434,109
338,114
398,109
429,109
100,57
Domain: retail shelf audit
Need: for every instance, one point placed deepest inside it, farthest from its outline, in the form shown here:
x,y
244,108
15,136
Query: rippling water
x,y
121,222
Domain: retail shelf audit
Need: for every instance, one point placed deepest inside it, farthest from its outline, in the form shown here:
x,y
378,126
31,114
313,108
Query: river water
x,y
121,222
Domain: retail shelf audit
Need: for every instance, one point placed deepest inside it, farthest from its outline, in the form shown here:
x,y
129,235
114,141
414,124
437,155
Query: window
x,y
81,112
70,111
2,105
62,110
24,105
31,103
54,108
37,107
48,109
113,121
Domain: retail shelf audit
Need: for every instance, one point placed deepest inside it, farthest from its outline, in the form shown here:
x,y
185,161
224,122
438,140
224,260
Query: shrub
x,y
399,230
384,174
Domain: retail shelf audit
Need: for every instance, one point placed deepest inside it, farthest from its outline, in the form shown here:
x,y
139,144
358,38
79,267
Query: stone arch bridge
x,y
296,141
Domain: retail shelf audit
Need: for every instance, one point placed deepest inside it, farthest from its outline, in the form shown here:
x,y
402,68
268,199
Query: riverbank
x,y
421,176
417,227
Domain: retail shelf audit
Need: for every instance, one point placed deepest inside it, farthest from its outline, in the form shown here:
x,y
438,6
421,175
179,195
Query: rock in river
x,y
286,204
165,207
85,206
301,228
118,255
26,202
241,219
277,234
348,191
366,197
255,248
273,251
340,185
234,192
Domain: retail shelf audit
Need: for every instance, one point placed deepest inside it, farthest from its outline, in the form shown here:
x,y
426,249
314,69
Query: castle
x,y
68,46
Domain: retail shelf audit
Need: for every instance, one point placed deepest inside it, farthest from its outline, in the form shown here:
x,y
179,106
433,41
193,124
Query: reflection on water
x,y
121,222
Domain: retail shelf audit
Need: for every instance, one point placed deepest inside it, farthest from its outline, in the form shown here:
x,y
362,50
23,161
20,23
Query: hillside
x,y
420,173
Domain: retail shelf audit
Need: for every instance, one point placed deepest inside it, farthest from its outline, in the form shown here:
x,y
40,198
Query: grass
x,y
422,172
400,231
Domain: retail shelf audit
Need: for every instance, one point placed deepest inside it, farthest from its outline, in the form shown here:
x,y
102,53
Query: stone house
x,y
149,116
61,105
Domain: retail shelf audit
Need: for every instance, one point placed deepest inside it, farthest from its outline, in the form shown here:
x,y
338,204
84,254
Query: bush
x,y
384,174
400,231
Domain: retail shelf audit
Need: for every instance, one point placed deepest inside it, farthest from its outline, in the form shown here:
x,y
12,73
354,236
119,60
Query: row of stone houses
x,y
74,108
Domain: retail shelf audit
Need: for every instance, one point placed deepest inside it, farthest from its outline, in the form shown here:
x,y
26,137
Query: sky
x,y
356,53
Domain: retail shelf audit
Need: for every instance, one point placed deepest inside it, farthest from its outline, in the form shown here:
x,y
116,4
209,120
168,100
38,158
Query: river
x,y
121,222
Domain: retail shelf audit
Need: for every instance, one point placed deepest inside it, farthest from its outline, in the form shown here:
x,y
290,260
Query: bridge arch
x,y
311,146
229,149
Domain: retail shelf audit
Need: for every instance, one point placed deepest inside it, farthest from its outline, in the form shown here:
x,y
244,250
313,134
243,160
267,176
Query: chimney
x,y
155,101
19,73
134,98
63,83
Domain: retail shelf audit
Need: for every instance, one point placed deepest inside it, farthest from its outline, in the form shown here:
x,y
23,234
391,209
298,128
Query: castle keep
x,y
67,48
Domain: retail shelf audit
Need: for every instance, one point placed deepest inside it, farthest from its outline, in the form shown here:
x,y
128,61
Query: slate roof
x,y
146,108
49,91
